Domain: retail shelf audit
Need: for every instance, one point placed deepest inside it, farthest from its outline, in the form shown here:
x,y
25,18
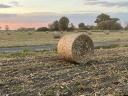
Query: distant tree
x,y
91,27
102,17
54,26
71,27
81,26
109,25
25,29
42,29
117,26
87,27
115,19
105,22
63,23
51,27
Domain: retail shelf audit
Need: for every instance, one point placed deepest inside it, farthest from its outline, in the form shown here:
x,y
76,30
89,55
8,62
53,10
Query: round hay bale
x,y
77,47
107,32
57,35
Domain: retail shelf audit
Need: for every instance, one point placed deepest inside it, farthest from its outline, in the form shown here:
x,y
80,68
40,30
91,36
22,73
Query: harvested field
x,y
44,74
42,38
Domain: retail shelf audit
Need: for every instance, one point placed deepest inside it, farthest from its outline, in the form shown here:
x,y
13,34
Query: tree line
x,y
103,22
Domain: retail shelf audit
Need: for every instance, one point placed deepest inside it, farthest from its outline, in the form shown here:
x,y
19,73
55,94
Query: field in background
x,y
40,38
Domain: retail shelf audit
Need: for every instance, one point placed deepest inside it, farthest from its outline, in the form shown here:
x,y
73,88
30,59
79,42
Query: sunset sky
x,y
37,13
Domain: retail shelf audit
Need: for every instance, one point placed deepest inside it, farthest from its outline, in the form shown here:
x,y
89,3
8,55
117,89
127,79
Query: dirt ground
x,y
46,75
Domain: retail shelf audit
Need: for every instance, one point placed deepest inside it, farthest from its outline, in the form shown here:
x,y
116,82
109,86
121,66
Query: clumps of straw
x,y
77,47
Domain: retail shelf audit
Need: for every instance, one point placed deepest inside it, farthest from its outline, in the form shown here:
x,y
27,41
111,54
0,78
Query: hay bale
x,y
89,33
106,32
77,47
8,33
30,33
57,35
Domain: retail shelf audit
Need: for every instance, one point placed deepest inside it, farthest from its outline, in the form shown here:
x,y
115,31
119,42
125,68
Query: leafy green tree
x,y
117,26
54,26
91,27
102,17
115,19
63,23
109,25
81,26
105,22
42,29
51,27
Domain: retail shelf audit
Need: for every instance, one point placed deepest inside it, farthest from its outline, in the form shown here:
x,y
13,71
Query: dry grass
x,y
26,38
40,38
113,36
43,74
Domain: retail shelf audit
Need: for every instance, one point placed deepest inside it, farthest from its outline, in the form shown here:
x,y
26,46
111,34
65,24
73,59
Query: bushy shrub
x,y
43,29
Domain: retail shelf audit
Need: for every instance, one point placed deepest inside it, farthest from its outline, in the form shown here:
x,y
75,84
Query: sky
x,y
38,13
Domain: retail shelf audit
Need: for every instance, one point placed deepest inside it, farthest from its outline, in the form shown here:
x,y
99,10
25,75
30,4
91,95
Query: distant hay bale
x,y
46,32
8,33
121,32
77,47
107,32
89,33
118,39
29,33
57,35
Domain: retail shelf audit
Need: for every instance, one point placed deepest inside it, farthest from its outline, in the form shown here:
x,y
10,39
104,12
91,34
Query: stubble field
x,y
44,74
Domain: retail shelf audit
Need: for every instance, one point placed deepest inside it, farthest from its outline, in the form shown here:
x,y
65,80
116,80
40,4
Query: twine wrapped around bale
x,y
77,47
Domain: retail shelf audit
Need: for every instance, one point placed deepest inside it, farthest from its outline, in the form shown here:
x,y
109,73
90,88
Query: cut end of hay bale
x,y
77,47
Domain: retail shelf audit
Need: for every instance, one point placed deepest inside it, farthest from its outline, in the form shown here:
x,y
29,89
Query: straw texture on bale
x,y
77,47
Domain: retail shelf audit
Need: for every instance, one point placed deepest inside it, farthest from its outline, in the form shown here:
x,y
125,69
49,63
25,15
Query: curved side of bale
x,y
76,47
65,47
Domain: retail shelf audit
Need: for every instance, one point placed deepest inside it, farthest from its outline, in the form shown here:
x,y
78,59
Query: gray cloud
x,y
106,3
5,6
14,3
10,4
